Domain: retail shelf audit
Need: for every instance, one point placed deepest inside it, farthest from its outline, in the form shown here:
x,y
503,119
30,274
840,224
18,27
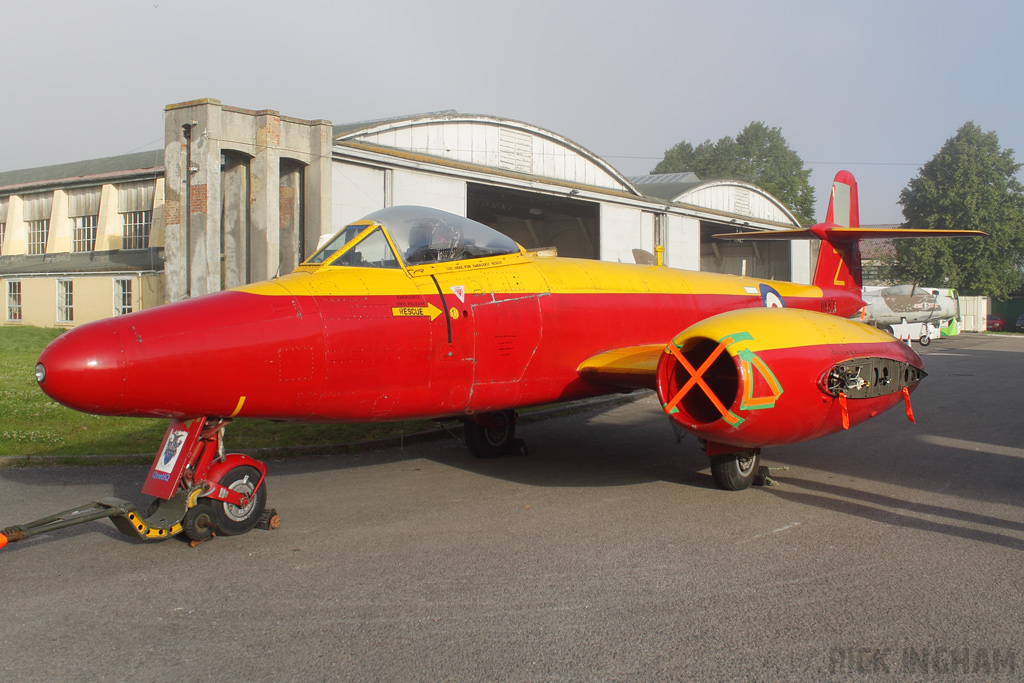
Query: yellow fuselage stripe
x,y
523,274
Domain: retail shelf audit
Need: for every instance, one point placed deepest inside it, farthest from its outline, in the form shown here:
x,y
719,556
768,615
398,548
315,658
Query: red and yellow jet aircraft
x,y
416,313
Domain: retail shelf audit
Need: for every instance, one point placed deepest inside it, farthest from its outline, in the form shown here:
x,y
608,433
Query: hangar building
x,y
86,240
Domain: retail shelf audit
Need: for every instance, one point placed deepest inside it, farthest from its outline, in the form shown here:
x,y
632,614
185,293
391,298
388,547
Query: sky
x,y
875,87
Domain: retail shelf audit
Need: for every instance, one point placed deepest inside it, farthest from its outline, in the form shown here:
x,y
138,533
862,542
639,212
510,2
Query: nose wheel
x,y
208,517
232,520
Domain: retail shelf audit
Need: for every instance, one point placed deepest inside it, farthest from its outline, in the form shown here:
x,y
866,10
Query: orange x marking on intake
x,y
697,377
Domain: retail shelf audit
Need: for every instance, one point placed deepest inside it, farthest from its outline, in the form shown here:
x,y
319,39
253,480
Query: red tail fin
x,y
839,258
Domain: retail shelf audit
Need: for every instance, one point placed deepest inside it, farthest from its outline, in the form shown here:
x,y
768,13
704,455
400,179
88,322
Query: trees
x,y
970,184
758,155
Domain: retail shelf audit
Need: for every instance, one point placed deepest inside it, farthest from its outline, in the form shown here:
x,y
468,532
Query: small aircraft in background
x,y
900,305
415,313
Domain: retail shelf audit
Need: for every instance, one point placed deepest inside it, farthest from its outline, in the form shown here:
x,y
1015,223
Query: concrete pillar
x,y
235,220
192,247
176,264
317,186
206,203
290,204
264,197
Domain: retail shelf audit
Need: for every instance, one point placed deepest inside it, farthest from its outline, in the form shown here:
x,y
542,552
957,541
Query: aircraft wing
x,y
632,367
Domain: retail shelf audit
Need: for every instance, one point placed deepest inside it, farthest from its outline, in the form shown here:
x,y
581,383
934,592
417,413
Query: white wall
x,y
621,232
800,261
682,243
647,223
974,313
357,191
424,189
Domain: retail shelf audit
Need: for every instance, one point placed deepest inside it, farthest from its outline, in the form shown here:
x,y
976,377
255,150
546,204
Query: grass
x,y
31,424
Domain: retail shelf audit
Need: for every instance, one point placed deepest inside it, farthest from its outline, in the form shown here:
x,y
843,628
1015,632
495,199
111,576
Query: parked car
x,y
1019,325
995,323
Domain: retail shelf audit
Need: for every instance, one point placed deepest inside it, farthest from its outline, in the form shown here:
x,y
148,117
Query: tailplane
x,y
838,264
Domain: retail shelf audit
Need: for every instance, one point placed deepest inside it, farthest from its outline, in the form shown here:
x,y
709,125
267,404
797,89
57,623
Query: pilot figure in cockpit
x,y
432,240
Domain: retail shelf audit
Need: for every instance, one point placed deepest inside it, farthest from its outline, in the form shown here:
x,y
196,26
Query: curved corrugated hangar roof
x,y
728,196
497,144
514,147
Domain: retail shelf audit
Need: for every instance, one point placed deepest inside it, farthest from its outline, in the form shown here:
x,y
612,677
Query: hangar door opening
x,y
572,226
768,260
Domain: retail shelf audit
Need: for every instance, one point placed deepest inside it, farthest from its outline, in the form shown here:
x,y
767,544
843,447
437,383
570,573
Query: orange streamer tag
x,y
906,399
842,407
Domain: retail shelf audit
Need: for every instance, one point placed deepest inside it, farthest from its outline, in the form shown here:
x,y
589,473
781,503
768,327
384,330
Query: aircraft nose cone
x,y
84,369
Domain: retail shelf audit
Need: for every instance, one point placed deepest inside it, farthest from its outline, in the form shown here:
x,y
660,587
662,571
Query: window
x,y
37,234
14,300
136,229
84,237
3,227
373,252
337,242
122,296
84,210
36,209
65,301
135,204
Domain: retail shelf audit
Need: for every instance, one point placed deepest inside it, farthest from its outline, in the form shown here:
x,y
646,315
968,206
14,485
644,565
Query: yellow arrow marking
x,y
430,310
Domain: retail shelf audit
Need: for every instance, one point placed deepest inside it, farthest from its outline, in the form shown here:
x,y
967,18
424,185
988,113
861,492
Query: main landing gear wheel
x,y
735,471
493,435
232,520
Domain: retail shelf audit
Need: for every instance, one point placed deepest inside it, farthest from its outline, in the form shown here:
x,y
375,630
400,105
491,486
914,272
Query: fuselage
x,y
345,343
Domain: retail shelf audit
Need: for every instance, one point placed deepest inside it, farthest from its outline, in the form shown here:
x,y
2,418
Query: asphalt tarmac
x,y
893,551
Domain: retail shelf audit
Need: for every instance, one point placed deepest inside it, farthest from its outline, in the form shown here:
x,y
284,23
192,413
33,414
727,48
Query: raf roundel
x,y
771,298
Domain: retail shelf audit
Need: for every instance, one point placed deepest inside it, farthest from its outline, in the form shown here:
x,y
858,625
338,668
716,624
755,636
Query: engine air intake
x,y
701,380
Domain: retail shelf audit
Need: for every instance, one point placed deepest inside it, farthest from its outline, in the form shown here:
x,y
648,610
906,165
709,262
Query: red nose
x,y
84,369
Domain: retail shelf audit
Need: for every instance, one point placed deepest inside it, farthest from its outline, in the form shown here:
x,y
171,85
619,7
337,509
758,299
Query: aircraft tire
x,y
925,340
232,520
489,441
735,471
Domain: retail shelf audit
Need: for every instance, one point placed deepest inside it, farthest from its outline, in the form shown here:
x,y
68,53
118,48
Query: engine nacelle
x,y
769,376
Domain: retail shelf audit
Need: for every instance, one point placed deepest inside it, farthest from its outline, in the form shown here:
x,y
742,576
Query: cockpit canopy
x,y
420,235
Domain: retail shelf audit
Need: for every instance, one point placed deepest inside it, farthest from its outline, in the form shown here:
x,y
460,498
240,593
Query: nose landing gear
x,y
198,488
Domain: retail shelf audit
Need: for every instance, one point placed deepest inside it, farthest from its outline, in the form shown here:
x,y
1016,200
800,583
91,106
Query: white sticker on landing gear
x,y
175,442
